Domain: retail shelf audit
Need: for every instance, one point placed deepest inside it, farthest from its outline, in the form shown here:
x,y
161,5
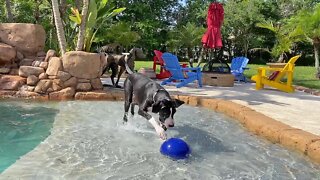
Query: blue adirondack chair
x,y
238,66
178,73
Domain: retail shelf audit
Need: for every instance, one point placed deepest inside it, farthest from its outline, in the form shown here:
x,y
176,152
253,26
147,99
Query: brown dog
x,y
113,61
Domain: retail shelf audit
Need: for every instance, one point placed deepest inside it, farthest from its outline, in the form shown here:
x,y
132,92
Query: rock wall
x,y
28,39
61,78
20,45
27,69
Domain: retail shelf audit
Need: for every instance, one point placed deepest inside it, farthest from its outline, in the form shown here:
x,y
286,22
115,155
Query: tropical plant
x,y
187,36
309,22
59,27
9,12
240,18
150,19
120,33
82,28
98,14
285,38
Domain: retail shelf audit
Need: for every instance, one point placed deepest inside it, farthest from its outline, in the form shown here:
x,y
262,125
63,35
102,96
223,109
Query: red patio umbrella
x,y
212,37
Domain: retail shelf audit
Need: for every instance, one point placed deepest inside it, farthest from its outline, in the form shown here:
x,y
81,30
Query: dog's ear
x,y
177,102
156,106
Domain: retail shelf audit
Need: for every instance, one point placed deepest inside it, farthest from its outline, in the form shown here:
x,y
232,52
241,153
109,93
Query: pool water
x,y
22,127
89,140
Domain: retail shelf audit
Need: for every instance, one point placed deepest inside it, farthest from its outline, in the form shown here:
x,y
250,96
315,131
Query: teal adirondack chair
x,y
238,66
178,73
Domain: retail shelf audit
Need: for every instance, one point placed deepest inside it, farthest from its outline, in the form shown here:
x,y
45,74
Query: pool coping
x,y
256,122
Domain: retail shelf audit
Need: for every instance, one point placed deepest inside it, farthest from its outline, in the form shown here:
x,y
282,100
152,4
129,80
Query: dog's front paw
x,y
162,134
125,118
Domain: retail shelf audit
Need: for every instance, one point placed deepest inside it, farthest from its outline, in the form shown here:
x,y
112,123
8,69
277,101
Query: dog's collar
x,y
154,95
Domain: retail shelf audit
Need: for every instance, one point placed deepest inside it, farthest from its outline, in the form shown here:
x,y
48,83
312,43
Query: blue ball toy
x,y
175,148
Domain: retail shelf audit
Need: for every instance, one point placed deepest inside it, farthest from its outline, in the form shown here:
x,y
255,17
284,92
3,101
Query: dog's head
x,y
137,53
166,109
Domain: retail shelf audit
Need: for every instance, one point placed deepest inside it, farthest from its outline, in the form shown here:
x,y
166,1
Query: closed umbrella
x,y
212,40
212,37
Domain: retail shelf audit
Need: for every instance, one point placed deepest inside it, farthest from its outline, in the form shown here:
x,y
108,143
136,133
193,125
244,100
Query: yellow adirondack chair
x,y
275,79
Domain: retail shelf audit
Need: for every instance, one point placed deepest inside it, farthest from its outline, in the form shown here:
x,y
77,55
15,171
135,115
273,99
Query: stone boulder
x,y
51,53
29,39
54,66
64,94
8,82
7,53
96,84
25,71
63,76
72,82
43,86
26,62
82,65
83,87
4,70
32,80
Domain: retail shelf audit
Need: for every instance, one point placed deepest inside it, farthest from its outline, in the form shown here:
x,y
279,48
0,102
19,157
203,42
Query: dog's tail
x,y
126,59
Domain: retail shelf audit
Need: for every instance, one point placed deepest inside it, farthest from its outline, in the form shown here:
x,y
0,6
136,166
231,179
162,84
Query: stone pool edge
x,y
257,123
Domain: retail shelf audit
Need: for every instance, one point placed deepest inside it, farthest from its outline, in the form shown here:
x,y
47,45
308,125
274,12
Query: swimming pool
x,y
23,126
89,140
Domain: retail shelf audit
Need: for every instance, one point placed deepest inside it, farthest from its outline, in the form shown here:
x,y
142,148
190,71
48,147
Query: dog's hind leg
x,y
114,69
128,93
122,69
132,108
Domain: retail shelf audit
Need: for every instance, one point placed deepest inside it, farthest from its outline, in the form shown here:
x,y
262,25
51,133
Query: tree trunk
x,y
281,59
36,12
59,27
63,7
9,12
82,29
78,4
316,46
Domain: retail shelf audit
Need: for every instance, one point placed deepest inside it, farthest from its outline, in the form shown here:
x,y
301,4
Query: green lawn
x,y
303,75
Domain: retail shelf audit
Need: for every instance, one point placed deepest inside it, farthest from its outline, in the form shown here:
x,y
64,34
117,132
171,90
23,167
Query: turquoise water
x,y
88,140
22,127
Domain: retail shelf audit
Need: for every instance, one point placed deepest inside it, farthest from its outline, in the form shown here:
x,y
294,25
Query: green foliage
x,y
154,20
194,11
76,16
3,12
150,19
186,36
98,14
120,33
285,37
308,20
240,20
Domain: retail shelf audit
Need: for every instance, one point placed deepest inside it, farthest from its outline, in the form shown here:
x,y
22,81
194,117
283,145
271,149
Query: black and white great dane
x,y
142,91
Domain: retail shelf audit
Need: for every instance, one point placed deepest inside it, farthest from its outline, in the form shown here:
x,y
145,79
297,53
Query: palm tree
x,y
309,22
120,33
82,28
9,12
285,38
59,27
187,36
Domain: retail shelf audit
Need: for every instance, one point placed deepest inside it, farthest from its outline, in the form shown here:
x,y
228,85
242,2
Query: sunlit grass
x,y
303,75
